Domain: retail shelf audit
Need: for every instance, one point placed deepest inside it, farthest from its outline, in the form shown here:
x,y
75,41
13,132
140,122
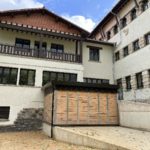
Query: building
x,y
127,25
36,47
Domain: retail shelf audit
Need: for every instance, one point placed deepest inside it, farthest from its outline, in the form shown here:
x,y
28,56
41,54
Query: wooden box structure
x,y
80,104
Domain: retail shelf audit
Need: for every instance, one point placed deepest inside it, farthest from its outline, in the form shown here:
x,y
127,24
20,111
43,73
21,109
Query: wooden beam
x,y
45,32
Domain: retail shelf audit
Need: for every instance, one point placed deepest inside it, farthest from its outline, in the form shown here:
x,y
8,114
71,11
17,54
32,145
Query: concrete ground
x,y
123,137
33,141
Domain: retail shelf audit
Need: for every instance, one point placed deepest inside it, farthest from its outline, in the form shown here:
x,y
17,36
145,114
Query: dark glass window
x,y
94,54
117,56
128,83
120,89
145,5
27,77
58,76
136,45
4,112
139,80
96,81
22,43
147,38
8,75
108,35
57,48
133,14
126,51
123,22
115,29
37,45
119,83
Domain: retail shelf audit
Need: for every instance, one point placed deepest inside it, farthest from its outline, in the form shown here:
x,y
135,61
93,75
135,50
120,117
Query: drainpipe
x,y
52,113
120,34
118,22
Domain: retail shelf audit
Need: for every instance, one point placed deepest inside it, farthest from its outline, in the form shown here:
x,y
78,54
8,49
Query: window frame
x,y
145,5
133,14
123,22
108,35
147,39
49,73
57,48
22,43
139,84
117,56
126,51
115,29
27,78
37,43
136,45
92,54
128,83
7,111
10,75
97,81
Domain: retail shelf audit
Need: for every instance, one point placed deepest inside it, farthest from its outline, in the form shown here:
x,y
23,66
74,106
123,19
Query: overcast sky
x,y
85,13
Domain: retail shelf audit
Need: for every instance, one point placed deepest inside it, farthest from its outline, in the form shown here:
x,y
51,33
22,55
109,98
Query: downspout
x,y
117,44
118,22
52,113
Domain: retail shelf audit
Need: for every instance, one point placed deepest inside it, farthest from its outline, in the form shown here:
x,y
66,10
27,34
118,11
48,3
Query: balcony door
x,y
40,51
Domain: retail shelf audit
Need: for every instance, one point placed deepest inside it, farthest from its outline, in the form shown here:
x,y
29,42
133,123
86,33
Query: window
x,y
8,75
139,80
4,112
58,76
126,51
123,22
145,5
108,35
37,45
147,39
136,45
120,89
117,56
119,83
128,83
94,54
133,14
56,48
115,29
27,77
96,81
22,43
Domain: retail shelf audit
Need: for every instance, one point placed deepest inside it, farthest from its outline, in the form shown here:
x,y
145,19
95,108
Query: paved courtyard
x,y
33,141
123,137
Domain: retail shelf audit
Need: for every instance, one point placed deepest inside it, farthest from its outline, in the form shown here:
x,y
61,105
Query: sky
x,y
85,13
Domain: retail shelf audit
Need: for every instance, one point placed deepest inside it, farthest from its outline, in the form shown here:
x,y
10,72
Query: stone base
x,y
47,129
28,119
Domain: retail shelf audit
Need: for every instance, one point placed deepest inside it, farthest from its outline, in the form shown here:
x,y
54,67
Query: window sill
x,y
94,61
4,120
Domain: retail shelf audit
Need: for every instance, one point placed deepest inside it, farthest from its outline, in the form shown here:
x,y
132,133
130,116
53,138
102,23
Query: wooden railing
x,y
12,50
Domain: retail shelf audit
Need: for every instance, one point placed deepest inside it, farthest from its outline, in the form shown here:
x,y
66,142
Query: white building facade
x,y
32,55
128,26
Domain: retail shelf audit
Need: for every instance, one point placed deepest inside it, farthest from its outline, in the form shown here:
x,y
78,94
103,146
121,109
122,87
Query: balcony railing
x,y
12,50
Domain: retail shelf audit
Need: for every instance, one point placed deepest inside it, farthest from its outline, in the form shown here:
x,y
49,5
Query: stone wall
x,y
135,114
28,119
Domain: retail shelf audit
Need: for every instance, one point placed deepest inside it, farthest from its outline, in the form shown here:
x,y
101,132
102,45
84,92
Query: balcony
x,y
43,54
